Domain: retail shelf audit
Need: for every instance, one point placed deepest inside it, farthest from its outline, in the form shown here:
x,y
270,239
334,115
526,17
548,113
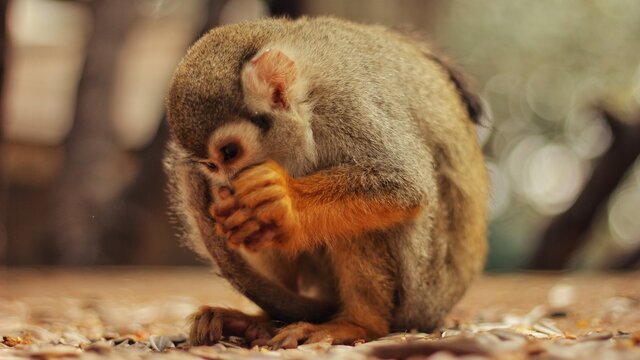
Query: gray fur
x,y
384,110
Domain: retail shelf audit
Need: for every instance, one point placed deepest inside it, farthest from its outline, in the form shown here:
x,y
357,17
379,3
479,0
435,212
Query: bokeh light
x,y
544,67
623,217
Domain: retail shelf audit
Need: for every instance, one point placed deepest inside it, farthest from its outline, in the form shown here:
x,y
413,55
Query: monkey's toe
x,y
336,333
210,324
293,335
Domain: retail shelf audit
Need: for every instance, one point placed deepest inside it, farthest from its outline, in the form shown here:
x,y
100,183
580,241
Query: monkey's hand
x,y
260,212
270,208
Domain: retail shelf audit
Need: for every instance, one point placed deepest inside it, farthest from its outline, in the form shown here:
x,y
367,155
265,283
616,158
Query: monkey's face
x,y
272,120
230,148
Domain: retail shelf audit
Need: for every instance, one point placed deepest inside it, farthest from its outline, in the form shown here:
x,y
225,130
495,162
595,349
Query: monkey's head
x,y
237,100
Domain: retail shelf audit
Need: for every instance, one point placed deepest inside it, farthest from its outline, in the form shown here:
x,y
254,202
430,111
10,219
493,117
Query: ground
x,y
141,313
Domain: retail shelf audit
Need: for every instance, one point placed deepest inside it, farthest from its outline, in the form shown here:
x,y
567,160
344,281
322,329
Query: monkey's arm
x,y
328,205
271,208
190,197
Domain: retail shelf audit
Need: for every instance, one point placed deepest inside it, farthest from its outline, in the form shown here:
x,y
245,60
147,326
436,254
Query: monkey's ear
x,y
268,80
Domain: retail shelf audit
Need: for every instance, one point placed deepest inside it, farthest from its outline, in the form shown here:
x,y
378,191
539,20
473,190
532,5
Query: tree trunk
x,y
627,262
567,232
143,228
3,175
92,172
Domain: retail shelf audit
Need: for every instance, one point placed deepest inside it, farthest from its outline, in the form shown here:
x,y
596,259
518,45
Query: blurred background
x,y
83,84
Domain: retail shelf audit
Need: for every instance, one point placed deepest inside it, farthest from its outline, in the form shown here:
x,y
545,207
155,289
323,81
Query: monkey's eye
x,y
230,151
211,166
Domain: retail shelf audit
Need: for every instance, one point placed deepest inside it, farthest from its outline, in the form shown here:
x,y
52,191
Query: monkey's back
x,y
386,96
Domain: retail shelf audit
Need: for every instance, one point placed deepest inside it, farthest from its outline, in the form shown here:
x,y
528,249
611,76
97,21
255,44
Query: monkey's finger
x,y
238,236
274,212
256,180
220,230
254,171
238,218
258,197
225,207
268,236
252,243
212,211
260,240
224,192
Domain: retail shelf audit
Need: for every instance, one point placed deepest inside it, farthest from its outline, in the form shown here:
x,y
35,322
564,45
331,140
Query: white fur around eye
x,y
248,136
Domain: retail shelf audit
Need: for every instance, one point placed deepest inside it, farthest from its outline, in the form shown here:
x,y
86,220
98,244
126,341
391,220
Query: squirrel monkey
x,y
332,173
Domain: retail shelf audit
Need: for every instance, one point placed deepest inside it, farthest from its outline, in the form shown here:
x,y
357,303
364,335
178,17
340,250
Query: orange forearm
x,y
324,210
270,208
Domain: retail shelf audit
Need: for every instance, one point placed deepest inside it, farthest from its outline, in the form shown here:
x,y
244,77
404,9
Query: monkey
x,y
331,173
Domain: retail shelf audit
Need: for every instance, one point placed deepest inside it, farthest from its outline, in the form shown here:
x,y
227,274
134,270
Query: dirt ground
x,y
141,313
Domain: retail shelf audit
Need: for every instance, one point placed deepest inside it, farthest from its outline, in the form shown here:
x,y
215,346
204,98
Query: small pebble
x,y
596,336
100,347
160,343
558,314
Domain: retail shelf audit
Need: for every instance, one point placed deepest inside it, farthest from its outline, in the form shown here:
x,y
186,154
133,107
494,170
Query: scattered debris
x,y
160,343
561,296
112,327
10,341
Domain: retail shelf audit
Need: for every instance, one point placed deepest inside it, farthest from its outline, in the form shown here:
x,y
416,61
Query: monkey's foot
x,y
260,211
336,333
210,324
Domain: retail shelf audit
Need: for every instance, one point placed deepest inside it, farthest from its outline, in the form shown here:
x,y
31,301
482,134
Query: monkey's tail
x,y
464,86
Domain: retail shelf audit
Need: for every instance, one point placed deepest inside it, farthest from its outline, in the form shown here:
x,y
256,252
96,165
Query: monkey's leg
x,y
365,273
209,324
